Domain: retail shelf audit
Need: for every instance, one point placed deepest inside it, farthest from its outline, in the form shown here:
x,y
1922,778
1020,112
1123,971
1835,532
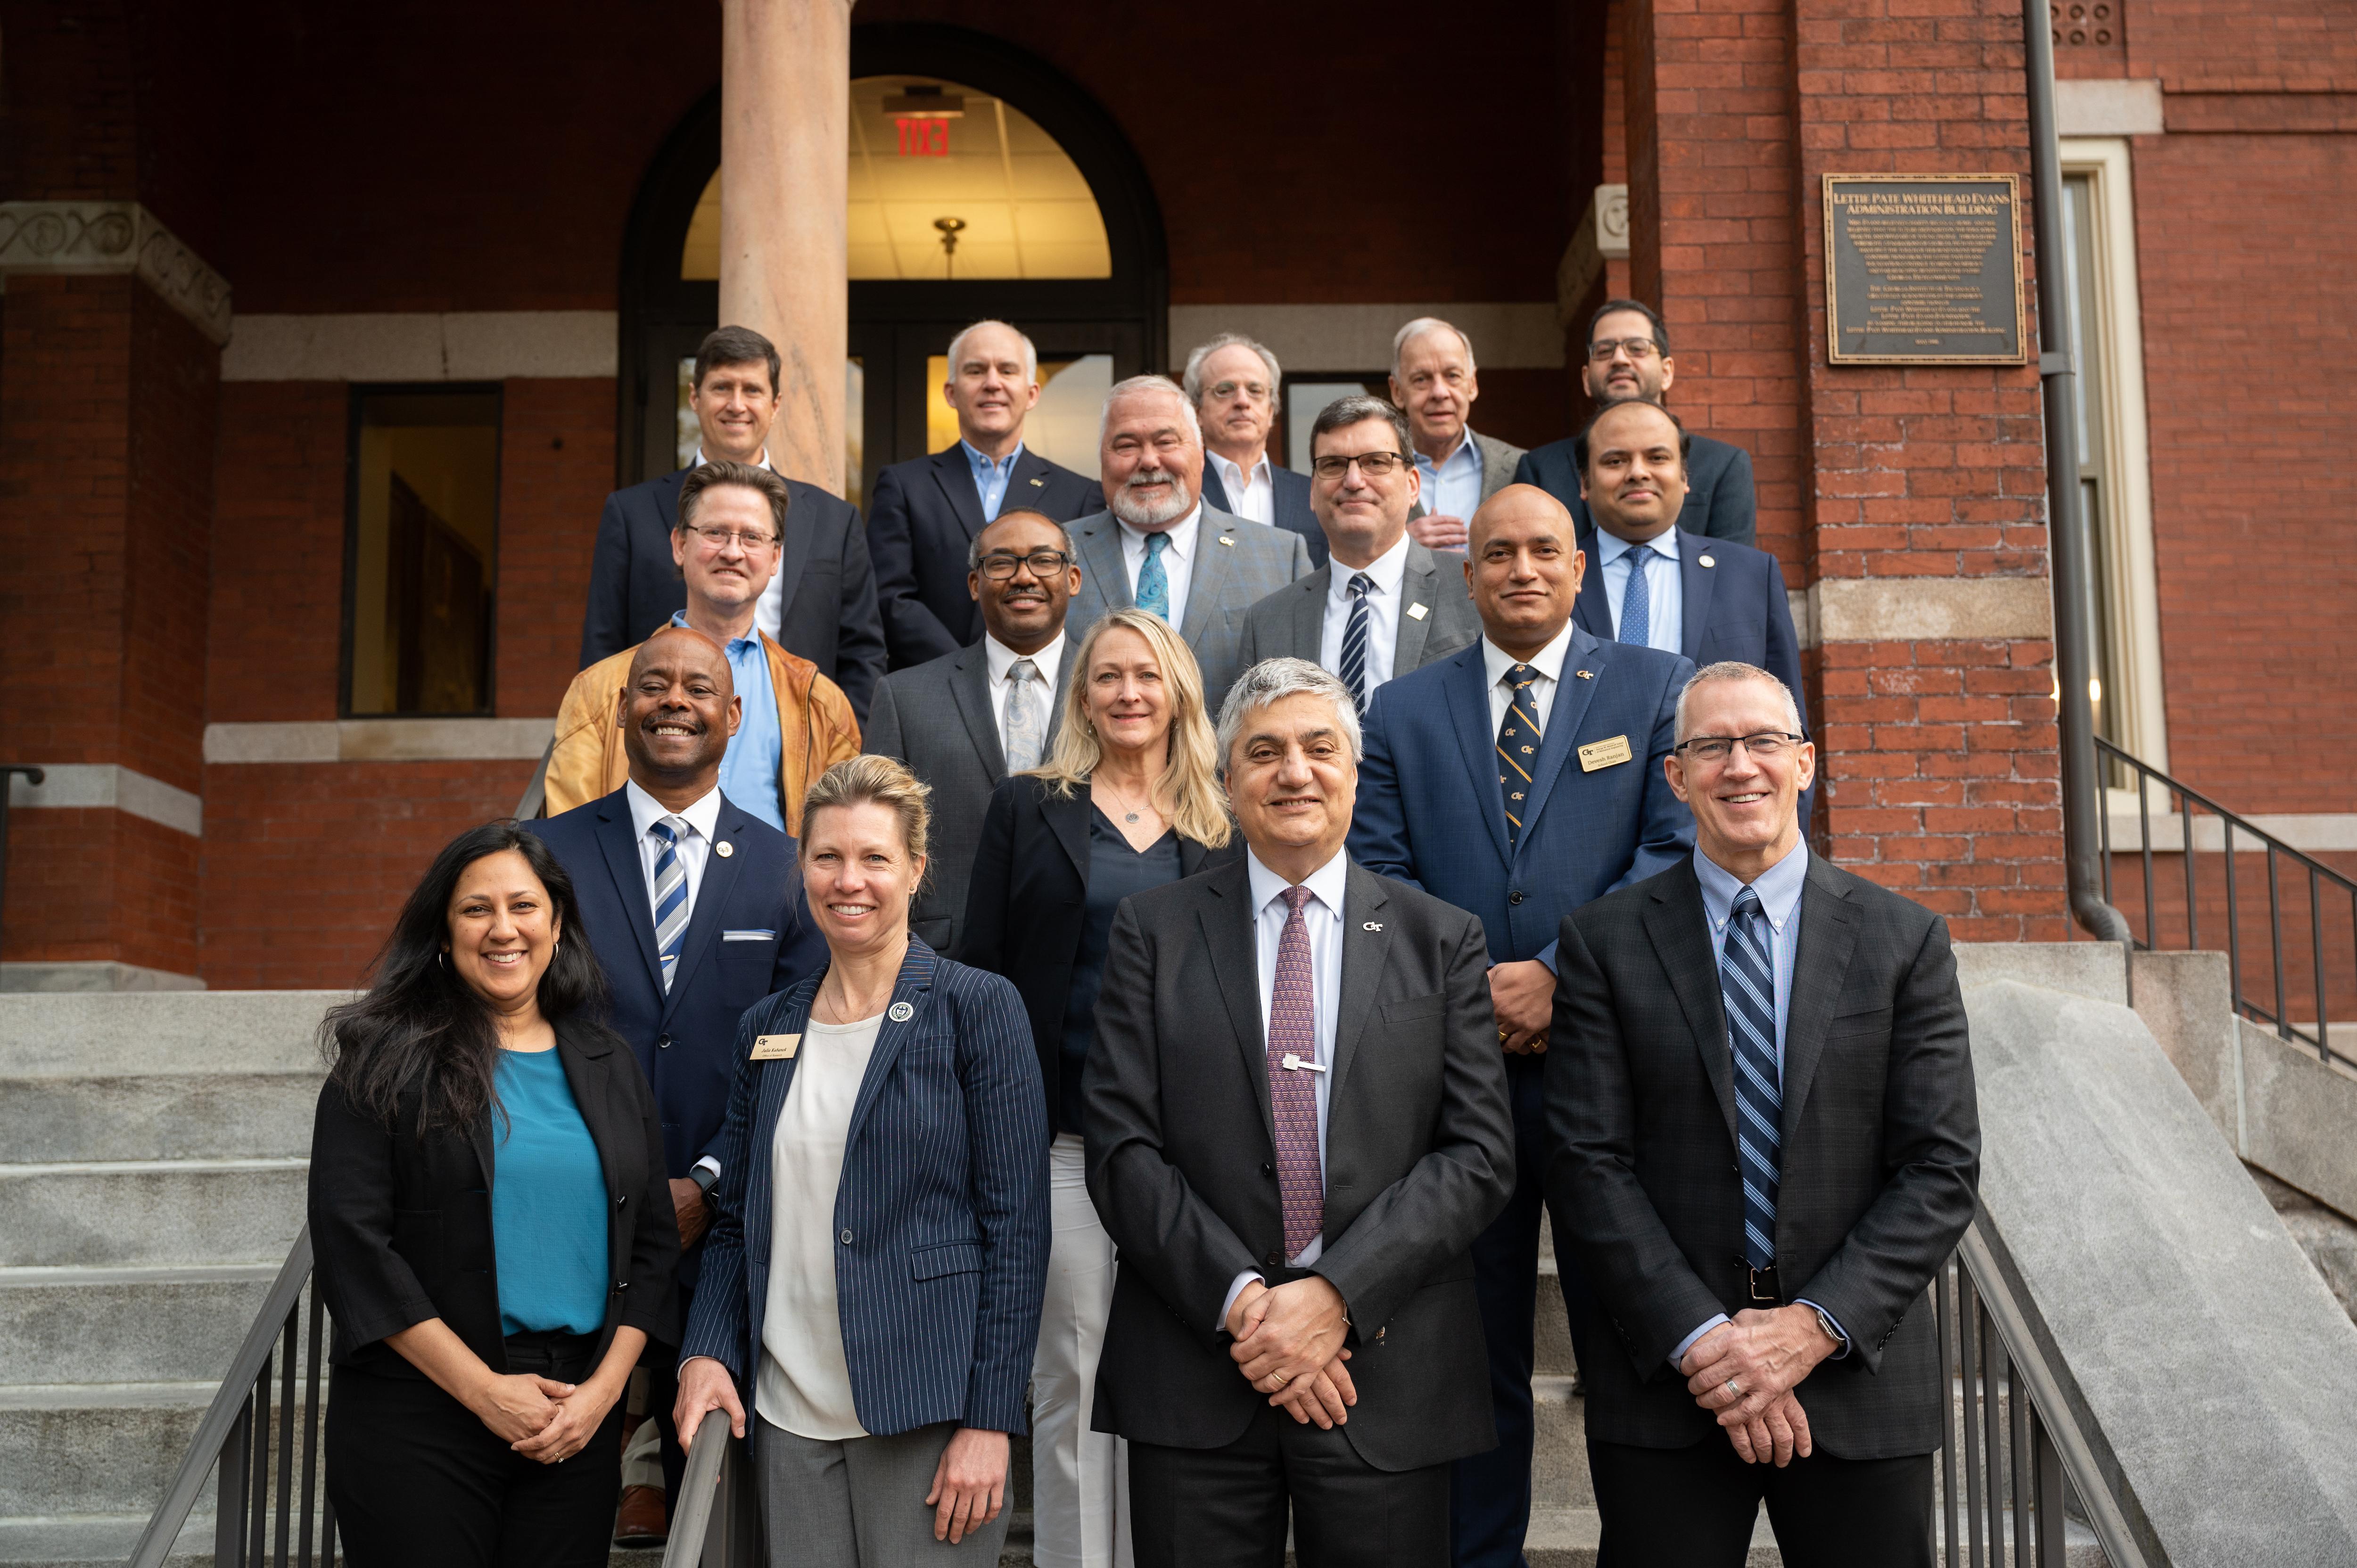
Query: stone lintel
x,y
114,237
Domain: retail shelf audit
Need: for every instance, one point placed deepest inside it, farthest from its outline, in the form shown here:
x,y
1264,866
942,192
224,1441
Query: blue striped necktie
x,y
1153,582
1747,980
1354,640
671,895
1636,601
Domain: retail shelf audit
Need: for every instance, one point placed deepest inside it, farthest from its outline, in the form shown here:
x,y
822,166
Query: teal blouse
x,y
548,1201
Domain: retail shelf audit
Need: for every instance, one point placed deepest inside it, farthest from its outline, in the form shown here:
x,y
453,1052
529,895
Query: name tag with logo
x,y
1604,754
775,1048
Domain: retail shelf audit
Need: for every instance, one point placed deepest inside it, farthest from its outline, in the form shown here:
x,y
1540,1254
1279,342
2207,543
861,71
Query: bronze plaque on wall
x,y
1923,269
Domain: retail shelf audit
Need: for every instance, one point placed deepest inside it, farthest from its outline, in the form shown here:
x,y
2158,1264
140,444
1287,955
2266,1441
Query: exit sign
x,y
924,138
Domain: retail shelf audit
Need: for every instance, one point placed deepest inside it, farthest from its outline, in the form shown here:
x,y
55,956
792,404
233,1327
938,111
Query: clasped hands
x,y
1288,1346
541,1418
1744,1373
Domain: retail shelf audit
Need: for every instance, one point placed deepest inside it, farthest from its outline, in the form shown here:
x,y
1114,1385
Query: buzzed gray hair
x,y
1148,383
974,548
1736,669
1418,328
1031,349
1272,681
1193,378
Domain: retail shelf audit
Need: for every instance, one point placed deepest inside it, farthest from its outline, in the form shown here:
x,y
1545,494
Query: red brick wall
x,y
278,541
556,464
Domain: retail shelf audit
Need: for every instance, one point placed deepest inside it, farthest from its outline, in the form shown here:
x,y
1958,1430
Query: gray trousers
x,y
860,1503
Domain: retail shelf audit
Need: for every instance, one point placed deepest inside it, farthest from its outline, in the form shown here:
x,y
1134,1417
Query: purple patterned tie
x,y
1292,1091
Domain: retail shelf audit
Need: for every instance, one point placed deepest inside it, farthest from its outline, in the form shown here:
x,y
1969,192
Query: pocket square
x,y
748,936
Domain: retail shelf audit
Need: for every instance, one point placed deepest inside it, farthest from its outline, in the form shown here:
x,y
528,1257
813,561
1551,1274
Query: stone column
x,y
785,117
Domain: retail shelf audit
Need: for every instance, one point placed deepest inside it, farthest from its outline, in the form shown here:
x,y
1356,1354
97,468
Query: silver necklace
x,y
1128,817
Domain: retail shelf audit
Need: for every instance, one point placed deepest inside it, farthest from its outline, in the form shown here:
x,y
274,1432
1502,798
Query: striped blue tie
x,y
1153,582
1746,981
1636,601
671,896
1354,640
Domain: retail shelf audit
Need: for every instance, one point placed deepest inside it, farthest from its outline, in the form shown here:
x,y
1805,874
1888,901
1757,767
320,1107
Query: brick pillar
x,y
1908,500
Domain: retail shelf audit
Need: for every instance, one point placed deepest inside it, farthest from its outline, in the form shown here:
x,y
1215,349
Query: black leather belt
x,y
1761,1287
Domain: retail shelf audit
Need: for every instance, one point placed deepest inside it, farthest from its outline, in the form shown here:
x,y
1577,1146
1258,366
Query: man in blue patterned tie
x,y
1765,1145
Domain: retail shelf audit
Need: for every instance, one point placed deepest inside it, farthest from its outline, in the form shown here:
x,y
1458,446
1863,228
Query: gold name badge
x,y
775,1048
1417,612
1604,754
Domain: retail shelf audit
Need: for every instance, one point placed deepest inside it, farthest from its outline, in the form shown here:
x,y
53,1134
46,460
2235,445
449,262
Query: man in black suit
x,y
694,909
927,510
1384,605
1711,602
1629,361
1765,1145
1235,385
1296,1124
966,720
822,602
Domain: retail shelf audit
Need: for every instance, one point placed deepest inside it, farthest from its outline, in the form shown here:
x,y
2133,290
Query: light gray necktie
x,y
1026,724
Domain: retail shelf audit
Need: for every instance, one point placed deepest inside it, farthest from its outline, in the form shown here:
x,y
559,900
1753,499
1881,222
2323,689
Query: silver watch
x,y
1832,1332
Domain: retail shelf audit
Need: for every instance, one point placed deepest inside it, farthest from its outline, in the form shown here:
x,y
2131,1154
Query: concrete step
x,y
1559,1458
77,1541
165,1211
1553,1323
93,1448
128,1034
141,1323
158,1116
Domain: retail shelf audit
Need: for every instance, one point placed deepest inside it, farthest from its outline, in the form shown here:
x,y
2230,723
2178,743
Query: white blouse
x,y
805,1382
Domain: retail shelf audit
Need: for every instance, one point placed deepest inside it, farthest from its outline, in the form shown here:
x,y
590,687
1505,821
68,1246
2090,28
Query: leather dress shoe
x,y
644,1520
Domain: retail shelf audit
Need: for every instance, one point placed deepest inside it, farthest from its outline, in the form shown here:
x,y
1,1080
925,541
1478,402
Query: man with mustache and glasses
x,y
693,906
966,720
1159,547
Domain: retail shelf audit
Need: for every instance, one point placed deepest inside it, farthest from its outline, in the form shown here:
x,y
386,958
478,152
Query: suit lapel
x,y
954,474
1680,931
1215,551
666,494
1477,741
1227,925
1215,490
914,988
1417,587
776,1079
1365,943
1029,484
1694,581
621,849
1101,563
1592,612
1572,695
1068,819
970,689
589,1086
797,546
1828,938
712,891
1307,633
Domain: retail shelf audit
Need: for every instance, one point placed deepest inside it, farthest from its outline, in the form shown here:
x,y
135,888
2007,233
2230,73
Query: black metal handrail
x,y
716,1521
2319,876
535,799
255,1521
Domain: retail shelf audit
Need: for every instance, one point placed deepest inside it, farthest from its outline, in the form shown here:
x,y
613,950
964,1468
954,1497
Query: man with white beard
x,y
1158,547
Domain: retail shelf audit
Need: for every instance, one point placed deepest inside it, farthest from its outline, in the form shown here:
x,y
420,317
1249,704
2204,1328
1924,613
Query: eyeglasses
x,y
1638,349
718,538
1255,390
1373,465
999,566
1765,747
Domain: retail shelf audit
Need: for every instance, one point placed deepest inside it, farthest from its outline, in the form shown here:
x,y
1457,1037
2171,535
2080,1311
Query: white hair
x,y
1031,349
1418,329
1148,383
1735,670
1193,378
1272,681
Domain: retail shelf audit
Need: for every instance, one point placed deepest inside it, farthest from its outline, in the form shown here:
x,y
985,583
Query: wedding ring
x,y
1733,1389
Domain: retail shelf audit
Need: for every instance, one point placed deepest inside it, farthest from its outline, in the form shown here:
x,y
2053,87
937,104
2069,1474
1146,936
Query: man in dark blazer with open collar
x,y
1296,1124
926,512
1636,367
952,719
821,603
1765,1145
1236,386
1436,808
743,932
1713,601
1209,569
1415,607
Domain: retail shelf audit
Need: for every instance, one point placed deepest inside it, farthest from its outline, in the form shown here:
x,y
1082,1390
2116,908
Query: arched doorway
x,y
1057,232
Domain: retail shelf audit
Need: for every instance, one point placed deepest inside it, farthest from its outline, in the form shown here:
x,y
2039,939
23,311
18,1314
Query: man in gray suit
x,y
1434,378
966,720
1384,605
1158,547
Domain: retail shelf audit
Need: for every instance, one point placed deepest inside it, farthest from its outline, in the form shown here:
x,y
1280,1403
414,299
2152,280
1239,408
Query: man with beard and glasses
x,y
1159,547
692,905
797,723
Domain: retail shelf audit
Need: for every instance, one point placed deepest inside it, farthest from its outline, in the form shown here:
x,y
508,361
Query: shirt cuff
x,y
1236,1290
1678,1356
1839,1332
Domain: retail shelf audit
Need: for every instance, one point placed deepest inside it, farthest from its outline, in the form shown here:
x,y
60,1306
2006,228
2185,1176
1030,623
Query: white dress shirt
x,y
1178,559
1321,917
1001,660
1664,589
1253,495
769,610
1386,571
1453,489
694,846
1547,667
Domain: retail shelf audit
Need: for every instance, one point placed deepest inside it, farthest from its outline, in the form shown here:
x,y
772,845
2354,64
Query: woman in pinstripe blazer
x,y
879,1246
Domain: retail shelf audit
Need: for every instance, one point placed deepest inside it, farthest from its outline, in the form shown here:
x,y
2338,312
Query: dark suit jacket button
x,y
1515,896
663,1042
620,1201
846,1237
1274,1260
621,1285
1268,1170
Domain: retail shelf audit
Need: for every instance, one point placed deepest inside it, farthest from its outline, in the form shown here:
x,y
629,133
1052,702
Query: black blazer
x,y
400,1225
1028,905
1293,511
830,615
920,522
1882,1151
1419,1159
1719,497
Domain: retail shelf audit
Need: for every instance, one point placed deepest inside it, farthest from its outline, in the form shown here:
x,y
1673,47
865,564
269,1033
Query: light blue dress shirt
x,y
1780,888
748,773
1454,488
990,479
1664,590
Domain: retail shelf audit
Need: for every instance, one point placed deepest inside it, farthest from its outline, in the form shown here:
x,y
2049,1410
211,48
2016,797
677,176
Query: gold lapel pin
x,y
723,848
1372,926
1584,675
1226,541
1706,560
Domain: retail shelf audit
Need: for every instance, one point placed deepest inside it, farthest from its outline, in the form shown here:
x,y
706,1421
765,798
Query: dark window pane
x,y
426,550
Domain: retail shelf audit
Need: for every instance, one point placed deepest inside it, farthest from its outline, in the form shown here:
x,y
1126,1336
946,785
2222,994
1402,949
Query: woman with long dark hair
x,y
491,1225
